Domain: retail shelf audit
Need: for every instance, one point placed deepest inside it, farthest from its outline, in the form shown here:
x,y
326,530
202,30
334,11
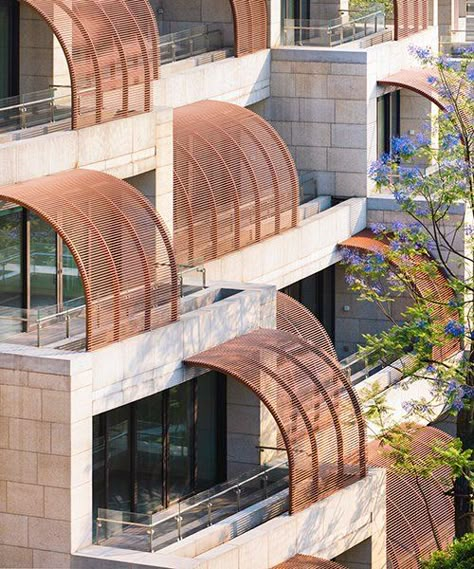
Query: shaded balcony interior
x,y
178,462
36,93
334,23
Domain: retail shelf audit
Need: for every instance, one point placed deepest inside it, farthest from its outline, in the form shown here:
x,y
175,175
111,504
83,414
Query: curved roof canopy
x,y
235,182
112,50
416,80
311,401
409,529
250,26
410,17
295,318
308,562
119,244
429,287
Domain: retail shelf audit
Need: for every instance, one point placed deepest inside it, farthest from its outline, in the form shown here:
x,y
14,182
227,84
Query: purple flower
x,y
452,387
457,404
380,171
407,406
470,73
431,368
398,226
403,146
378,228
450,141
454,328
422,53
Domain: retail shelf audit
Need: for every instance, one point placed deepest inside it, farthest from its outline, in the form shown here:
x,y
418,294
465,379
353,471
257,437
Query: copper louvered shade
x,y
311,402
295,318
410,534
308,562
250,26
411,17
415,80
235,182
429,287
112,50
119,244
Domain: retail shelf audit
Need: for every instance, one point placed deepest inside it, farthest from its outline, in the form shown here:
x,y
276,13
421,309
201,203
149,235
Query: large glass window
x,y
11,251
388,121
43,263
149,453
73,291
8,48
161,449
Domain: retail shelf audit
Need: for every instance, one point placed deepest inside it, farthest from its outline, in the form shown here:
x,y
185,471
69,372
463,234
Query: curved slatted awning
x,y
416,80
410,17
120,247
308,562
235,182
112,51
250,26
409,530
295,318
428,287
311,401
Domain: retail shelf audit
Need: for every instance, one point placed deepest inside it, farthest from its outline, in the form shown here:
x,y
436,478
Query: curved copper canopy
x,y
250,26
112,51
435,288
120,247
410,17
311,401
410,525
235,182
295,318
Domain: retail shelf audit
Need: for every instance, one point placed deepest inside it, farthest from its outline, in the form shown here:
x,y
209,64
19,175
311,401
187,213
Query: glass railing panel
x,y
189,43
134,531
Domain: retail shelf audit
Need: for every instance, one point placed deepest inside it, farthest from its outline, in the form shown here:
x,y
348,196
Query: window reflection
x,y
43,261
73,291
149,462
118,458
11,243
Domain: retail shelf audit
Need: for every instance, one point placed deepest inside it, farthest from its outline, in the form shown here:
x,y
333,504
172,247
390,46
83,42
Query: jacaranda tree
x,y
433,185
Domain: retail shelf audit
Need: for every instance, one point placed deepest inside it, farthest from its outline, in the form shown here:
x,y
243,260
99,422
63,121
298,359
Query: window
x,y
388,121
36,267
317,293
161,449
8,48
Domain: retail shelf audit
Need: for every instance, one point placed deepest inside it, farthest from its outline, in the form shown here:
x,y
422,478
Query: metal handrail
x,y
178,511
337,25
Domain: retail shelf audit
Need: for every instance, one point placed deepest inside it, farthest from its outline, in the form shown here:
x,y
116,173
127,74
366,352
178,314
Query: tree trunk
x,y
462,490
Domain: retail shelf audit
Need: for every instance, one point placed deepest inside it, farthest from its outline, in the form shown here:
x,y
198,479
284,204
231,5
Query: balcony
x,y
350,26
232,503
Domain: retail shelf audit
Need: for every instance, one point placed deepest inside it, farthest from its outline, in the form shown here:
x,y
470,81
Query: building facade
x,y
178,386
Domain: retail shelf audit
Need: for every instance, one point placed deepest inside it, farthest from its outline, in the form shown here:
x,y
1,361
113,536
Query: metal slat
x,y
436,288
409,530
235,182
312,402
112,51
411,17
120,246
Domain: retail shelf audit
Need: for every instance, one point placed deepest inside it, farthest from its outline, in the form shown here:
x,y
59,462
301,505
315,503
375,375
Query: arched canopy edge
x,y
112,52
427,287
309,401
119,244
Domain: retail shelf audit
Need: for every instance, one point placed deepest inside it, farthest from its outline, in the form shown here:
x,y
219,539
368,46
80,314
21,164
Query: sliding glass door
x,y
161,449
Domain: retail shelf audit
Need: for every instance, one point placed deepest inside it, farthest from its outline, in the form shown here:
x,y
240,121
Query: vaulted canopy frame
x,y
235,182
308,562
435,288
119,244
112,51
415,508
410,17
311,401
250,26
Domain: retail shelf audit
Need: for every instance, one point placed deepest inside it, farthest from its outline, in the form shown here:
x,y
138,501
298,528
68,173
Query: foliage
x,y
433,185
369,4
460,555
